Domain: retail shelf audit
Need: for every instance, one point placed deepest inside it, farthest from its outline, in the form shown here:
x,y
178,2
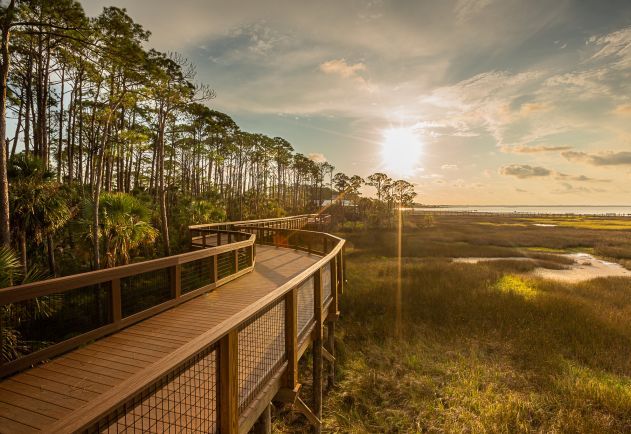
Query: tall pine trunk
x,y
5,229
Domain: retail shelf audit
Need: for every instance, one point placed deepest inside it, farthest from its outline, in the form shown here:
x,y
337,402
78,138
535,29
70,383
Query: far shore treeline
x,y
112,151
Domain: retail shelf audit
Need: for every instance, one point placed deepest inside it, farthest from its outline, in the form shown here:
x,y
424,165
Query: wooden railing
x,y
43,319
221,380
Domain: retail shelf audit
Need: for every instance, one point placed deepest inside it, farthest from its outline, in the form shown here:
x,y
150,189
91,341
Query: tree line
x,y
113,149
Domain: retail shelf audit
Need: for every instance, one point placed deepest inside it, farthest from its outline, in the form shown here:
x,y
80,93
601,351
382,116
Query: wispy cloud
x,y
342,68
616,44
567,188
523,149
318,157
468,9
609,158
623,109
579,178
449,167
524,171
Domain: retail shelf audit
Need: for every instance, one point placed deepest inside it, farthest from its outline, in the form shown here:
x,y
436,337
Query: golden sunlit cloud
x,y
400,151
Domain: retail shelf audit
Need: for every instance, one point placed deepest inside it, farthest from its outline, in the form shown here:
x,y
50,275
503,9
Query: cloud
x,y
533,107
449,167
521,190
341,68
431,176
523,149
523,171
567,188
623,110
467,9
579,178
318,157
615,44
609,158
461,183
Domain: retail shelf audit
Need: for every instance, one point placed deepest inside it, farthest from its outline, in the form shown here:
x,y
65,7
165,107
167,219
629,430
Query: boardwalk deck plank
x,y
85,373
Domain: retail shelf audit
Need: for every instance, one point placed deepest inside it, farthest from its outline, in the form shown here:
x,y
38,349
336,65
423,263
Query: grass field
x,y
485,348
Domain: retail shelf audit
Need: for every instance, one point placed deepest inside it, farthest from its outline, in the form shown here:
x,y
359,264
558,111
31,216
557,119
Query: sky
x,y
509,101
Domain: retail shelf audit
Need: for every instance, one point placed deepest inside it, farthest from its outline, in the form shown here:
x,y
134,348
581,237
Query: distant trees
x,y
390,194
381,182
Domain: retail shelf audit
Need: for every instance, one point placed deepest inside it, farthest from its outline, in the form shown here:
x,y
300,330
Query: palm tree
x,y
38,207
11,273
124,226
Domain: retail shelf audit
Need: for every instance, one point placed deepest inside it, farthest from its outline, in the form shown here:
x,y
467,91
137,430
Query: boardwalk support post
x,y
264,423
330,353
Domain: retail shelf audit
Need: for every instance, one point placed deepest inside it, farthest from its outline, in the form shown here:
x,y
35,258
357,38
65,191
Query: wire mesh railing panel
x,y
261,351
306,311
326,281
196,274
185,400
144,290
225,265
244,257
31,325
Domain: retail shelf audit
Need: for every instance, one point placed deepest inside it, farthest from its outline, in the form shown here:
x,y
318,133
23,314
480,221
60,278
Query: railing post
x,y
338,267
218,238
216,268
117,308
236,260
176,281
317,347
343,265
333,307
331,319
291,338
228,387
204,240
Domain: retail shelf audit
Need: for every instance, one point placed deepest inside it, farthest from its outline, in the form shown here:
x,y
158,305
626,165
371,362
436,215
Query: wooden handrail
x,y
113,276
261,221
27,291
220,337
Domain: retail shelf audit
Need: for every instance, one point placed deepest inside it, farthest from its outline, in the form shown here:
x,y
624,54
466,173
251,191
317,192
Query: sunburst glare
x,y
400,151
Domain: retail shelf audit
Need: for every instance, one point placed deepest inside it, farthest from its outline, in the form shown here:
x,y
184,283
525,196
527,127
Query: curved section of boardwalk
x,y
33,400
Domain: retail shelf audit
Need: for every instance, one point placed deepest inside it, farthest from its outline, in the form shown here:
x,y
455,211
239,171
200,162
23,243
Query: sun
x,y
400,151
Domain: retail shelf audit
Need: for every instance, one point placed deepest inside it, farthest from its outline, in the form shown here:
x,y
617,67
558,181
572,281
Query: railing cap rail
x,y
26,291
273,219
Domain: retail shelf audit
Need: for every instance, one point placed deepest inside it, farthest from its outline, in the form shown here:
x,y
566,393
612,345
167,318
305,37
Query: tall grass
x,y
485,348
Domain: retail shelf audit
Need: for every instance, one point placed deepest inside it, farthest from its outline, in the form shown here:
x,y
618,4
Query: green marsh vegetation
x,y
486,348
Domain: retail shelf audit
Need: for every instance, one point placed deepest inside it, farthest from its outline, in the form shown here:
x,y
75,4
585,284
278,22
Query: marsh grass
x,y
485,348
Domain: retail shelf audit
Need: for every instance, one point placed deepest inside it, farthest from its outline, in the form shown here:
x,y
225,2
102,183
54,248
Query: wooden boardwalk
x,y
34,399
